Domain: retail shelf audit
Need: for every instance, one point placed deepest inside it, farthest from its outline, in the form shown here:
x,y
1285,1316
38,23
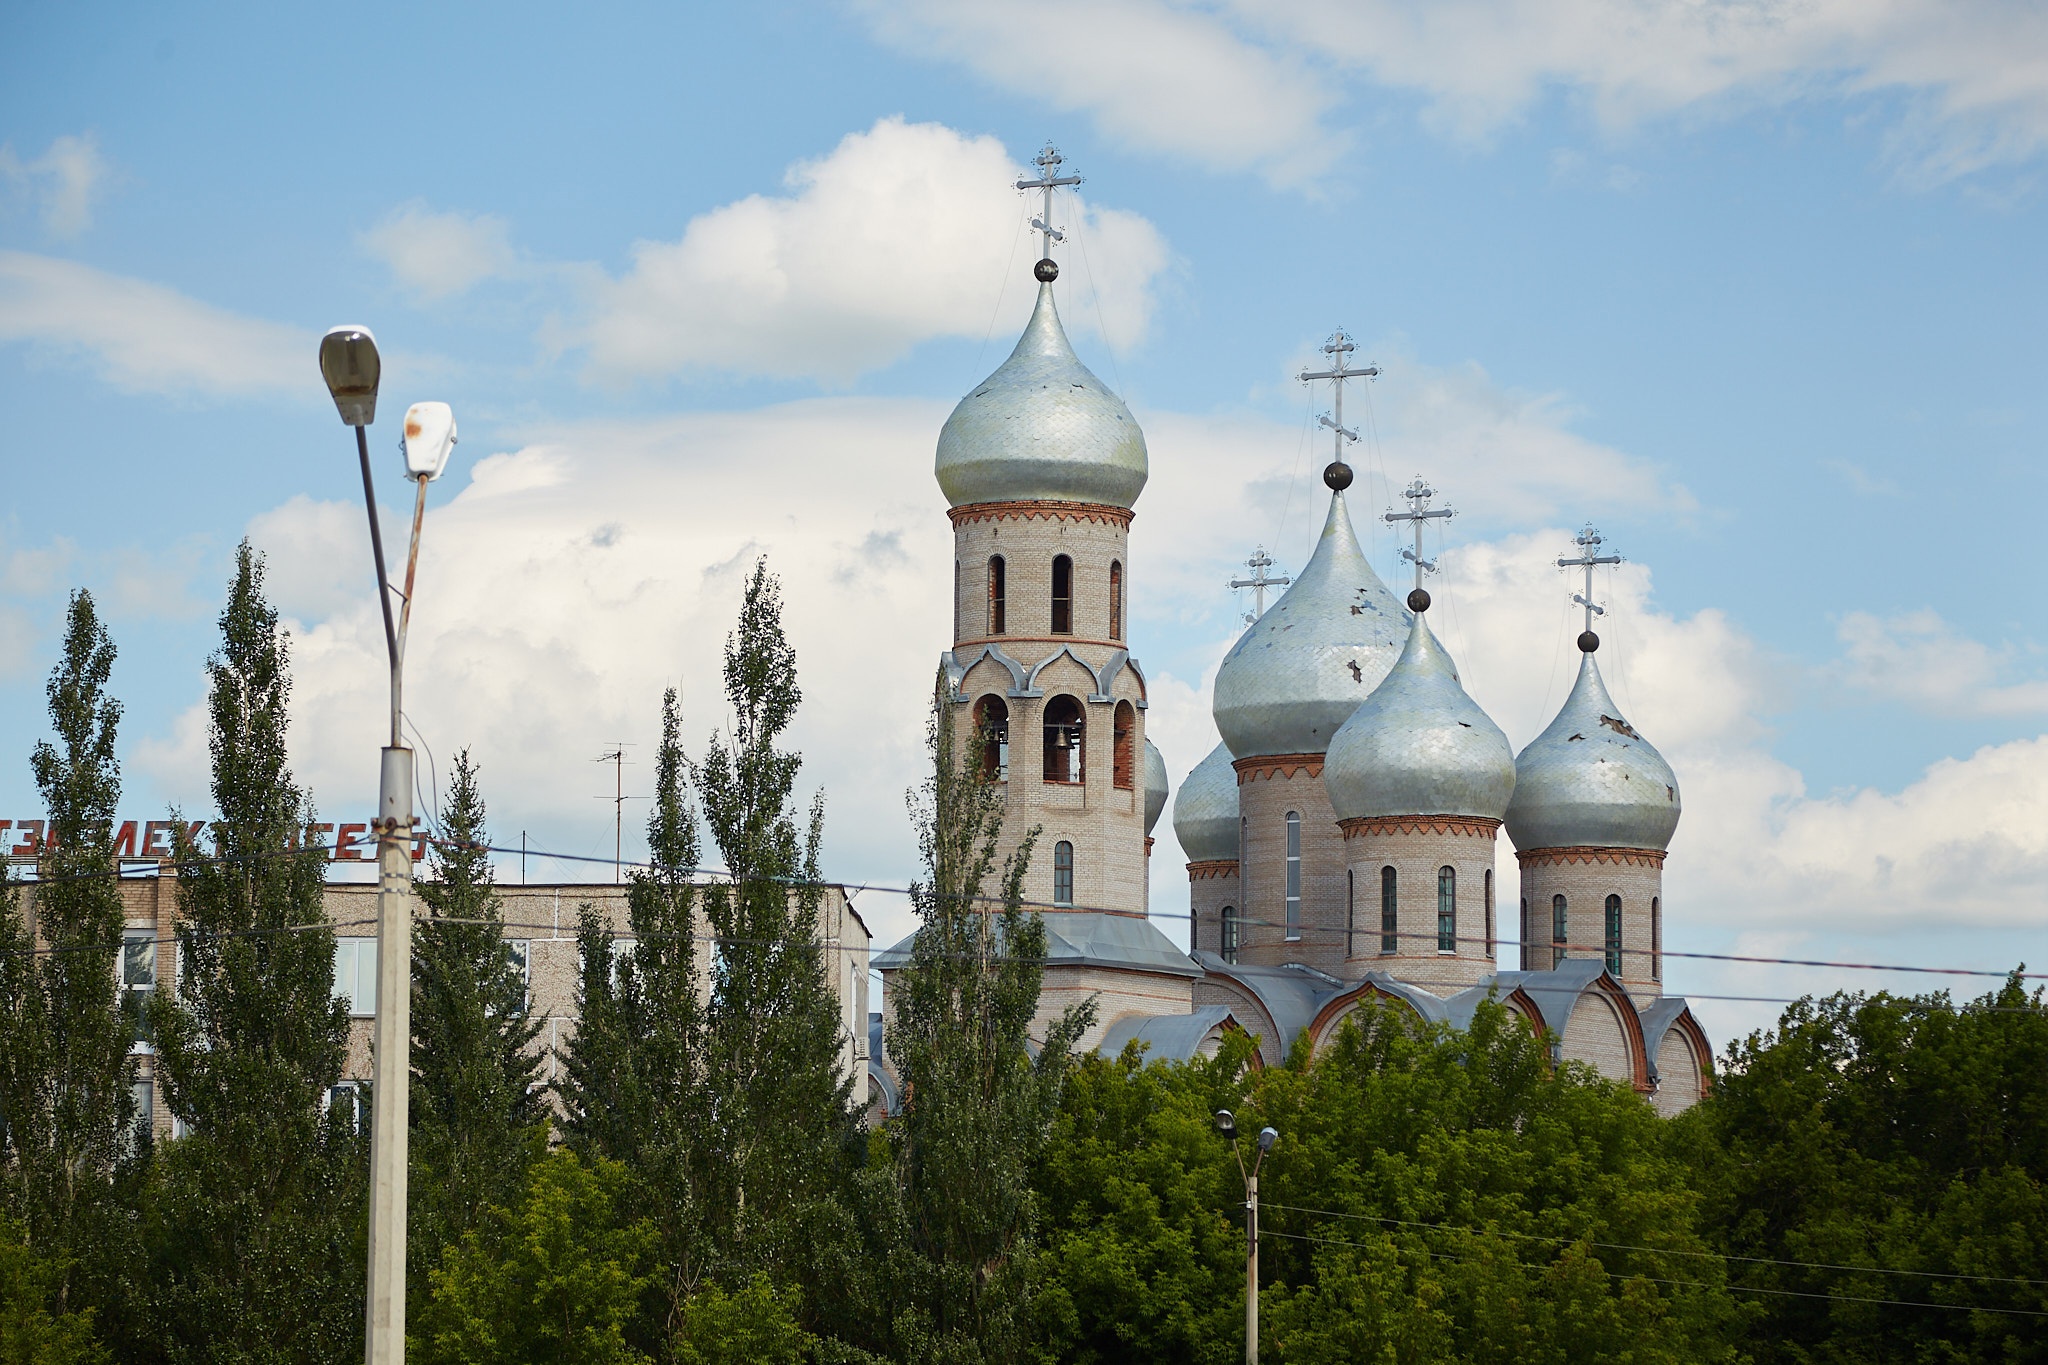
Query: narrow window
x,y
1293,874
1062,595
144,1095
1446,910
1230,933
1656,939
355,974
995,594
1350,912
138,977
1063,873
347,1098
1390,920
1063,740
958,588
1124,746
1528,948
1489,912
1614,935
521,951
1116,600
992,732
1557,938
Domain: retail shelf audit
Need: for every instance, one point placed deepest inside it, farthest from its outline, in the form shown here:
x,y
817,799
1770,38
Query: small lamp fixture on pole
x,y
350,365
1226,1124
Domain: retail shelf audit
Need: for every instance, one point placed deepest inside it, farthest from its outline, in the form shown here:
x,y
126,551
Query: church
x,y
1342,836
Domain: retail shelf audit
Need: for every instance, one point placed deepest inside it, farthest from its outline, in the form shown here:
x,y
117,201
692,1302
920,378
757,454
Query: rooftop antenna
x,y
1259,582
617,758
1049,179
1419,511
1337,474
1589,542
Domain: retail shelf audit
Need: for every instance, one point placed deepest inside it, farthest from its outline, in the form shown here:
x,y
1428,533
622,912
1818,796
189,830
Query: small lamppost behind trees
x,y
1226,1124
349,363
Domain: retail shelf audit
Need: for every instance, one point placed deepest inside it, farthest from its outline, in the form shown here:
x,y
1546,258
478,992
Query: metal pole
x,y
1251,1268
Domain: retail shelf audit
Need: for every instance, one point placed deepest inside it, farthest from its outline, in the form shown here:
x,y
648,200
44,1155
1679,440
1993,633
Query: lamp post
x,y
349,363
1226,1124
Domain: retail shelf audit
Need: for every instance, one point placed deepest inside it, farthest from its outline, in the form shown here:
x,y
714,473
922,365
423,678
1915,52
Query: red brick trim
x,y
1047,507
1472,826
1281,765
1562,857
1212,867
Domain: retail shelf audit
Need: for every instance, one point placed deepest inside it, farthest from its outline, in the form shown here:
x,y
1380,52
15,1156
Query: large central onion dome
x,y
1205,816
1042,428
1419,745
1590,781
1300,670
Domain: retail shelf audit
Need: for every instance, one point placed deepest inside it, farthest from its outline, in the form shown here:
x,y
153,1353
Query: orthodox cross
x,y
1419,511
1337,348
1259,582
1049,179
1589,542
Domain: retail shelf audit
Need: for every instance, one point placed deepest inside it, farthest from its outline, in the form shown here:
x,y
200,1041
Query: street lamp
x,y
349,363
1226,1124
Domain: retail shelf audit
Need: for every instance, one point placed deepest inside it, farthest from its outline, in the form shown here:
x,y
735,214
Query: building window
x,y
995,594
1446,910
1064,754
138,978
346,1099
1614,935
1390,919
1557,927
1656,939
1293,875
143,1127
992,729
1116,600
1124,746
957,590
1350,912
1528,948
1489,912
1062,595
1230,930
355,975
521,951
1063,873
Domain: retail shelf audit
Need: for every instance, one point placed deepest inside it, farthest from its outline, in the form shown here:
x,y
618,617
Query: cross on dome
x,y
1338,475
1049,179
1419,511
1589,542
1259,582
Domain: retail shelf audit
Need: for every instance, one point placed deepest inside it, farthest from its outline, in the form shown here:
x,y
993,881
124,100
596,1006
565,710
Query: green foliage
x,y
30,1332
755,1325
557,1278
1895,1132
477,1120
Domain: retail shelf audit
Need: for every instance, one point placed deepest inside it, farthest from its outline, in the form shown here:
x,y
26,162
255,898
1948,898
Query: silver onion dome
x,y
1042,427
1205,814
1419,745
1300,670
1156,784
1591,781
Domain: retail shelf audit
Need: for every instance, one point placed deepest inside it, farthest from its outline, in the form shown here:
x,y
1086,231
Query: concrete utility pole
x,y
1226,1124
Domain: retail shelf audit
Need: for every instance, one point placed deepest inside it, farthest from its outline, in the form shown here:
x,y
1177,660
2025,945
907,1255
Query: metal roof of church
x,y
1590,780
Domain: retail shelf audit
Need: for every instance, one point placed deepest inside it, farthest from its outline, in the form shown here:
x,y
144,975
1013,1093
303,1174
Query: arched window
x,y
1116,600
1614,935
1489,912
1293,874
1446,910
1350,912
1063,740
992,732
1229,946
1390,919
1557,927
1062,595
995,595
956,599
1528,948
1123,767
1063,873
1656,939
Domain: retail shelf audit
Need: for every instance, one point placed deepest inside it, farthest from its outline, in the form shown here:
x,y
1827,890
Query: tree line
x,y
697,1183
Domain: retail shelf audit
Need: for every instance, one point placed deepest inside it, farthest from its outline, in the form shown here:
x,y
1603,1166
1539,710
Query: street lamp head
x,y
429,438
348,361
1225,1124
1267,1137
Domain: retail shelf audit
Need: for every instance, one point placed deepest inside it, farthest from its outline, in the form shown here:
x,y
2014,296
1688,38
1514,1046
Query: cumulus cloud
x,y
62,183
1918,658
146,337
440,254
900,234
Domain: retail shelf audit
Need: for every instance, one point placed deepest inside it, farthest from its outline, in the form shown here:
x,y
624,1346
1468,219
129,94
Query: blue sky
x,y
1762,296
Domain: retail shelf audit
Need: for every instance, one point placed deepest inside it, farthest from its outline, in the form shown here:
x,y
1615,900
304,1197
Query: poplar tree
x,y
260,1209
64,1035
478,1119
780,1115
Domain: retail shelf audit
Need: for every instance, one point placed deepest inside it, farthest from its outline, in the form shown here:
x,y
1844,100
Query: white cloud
x,y
62,182
147,337
1918,658
440,254
899,235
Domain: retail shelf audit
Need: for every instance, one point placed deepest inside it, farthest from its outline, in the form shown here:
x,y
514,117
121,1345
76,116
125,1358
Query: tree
x,y
478,1119
780,1123
64,1036
30,1332
259,1212
978,1106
